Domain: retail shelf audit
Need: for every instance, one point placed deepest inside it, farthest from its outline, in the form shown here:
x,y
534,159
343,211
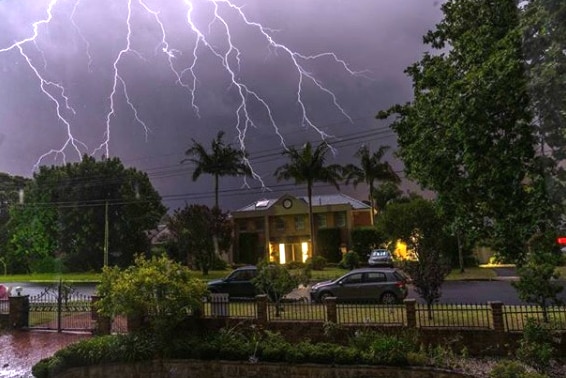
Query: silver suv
x,y
385,285
380,257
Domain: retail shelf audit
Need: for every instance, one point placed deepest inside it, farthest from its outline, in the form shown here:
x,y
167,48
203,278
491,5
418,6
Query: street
x,y
463,292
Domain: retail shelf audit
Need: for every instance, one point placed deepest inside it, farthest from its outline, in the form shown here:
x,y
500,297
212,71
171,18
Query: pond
x,y
20,350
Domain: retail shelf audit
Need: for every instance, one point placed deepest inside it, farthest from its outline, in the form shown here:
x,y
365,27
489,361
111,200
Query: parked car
x,y
386,285
380,257
237,284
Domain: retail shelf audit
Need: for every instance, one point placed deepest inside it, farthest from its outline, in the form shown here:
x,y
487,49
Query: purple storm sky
x,y
139,79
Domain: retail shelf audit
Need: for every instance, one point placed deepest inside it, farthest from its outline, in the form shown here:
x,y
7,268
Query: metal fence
x,y
220,305
516,317
474,316
370,313
60,308
297,311
454,315
4,306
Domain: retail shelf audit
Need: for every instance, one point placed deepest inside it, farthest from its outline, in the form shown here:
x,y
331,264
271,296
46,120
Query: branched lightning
x,y
222,14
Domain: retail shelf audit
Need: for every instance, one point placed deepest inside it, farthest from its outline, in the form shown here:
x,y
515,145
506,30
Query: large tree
x,y
419,225
10,191
196,229
370,170
543,24
468,132
64,214
221,160
307,166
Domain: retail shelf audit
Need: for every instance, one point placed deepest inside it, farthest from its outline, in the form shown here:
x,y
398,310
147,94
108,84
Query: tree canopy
x,y
194,228
370,170
307,166
468,133
221,160
63,216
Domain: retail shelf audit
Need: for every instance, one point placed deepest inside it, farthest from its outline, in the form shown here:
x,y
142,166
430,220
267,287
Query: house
x,y
279,228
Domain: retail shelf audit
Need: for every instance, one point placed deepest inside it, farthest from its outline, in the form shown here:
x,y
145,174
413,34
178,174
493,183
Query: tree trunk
x,y
214,236
311,220
460,252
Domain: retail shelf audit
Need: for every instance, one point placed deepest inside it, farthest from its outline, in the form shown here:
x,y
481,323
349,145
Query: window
x,y
243,225
280,224
321,220
299,222
355,278
375,277
340,219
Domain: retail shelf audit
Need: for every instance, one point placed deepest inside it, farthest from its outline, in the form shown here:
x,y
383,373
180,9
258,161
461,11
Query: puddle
x,y
20,350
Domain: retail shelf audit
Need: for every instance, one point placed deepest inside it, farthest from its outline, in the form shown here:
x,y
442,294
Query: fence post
x,y
411,312
261,308
19,311
331,313
497,315
102,323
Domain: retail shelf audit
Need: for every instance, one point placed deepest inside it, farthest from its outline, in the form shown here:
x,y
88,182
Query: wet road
x,y
32,289
20,350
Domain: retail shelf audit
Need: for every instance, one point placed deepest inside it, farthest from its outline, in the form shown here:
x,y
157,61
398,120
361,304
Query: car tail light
x,y
400,284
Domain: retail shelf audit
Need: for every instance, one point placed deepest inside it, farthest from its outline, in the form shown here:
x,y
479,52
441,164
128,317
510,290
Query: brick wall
x,y
218,369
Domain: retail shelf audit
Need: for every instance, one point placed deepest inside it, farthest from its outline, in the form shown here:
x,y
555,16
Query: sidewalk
x,y
506,273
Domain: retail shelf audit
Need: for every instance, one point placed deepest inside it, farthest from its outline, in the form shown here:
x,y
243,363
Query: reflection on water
x,y
20,350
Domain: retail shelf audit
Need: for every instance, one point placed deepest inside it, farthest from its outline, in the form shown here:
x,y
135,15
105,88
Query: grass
x,y
475,273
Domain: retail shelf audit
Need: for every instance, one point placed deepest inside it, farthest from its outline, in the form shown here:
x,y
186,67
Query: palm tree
x,y
371,169
223,160
306,166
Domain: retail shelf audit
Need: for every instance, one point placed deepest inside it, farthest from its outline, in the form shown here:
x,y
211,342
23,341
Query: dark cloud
x,y
379,38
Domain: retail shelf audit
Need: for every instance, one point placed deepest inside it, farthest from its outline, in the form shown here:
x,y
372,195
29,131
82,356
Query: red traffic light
x,y
561,240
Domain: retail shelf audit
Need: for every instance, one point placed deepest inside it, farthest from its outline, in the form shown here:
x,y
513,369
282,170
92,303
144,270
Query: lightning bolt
x,y
224,16
45,85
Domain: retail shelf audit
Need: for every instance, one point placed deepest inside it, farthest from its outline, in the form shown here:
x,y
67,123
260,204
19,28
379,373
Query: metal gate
x,y
60,307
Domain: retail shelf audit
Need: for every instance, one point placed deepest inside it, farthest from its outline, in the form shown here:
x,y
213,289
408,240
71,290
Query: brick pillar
x,y
411,312
261,308
497,315
102,323
331,313
19,311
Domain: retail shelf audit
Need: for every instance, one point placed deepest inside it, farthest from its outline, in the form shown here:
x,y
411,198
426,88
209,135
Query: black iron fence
x,y
494,315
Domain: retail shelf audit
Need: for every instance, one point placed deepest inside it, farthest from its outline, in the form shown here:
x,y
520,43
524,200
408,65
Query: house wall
x,y
280,226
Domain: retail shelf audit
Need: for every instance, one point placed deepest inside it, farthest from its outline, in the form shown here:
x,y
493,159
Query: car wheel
x,y
388,298
322,297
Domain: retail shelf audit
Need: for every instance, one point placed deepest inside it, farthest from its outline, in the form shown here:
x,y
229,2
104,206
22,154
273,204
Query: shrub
x,y
316,263
292,265
512,369
102,349
535,347
328,243
157,287
351,260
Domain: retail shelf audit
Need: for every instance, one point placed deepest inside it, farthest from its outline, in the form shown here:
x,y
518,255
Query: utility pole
x,y
106,233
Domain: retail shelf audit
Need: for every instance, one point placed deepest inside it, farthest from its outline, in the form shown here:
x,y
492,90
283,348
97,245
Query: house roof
x,y
317,200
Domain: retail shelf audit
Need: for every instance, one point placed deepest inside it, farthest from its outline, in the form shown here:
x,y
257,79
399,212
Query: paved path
x,y
20,350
